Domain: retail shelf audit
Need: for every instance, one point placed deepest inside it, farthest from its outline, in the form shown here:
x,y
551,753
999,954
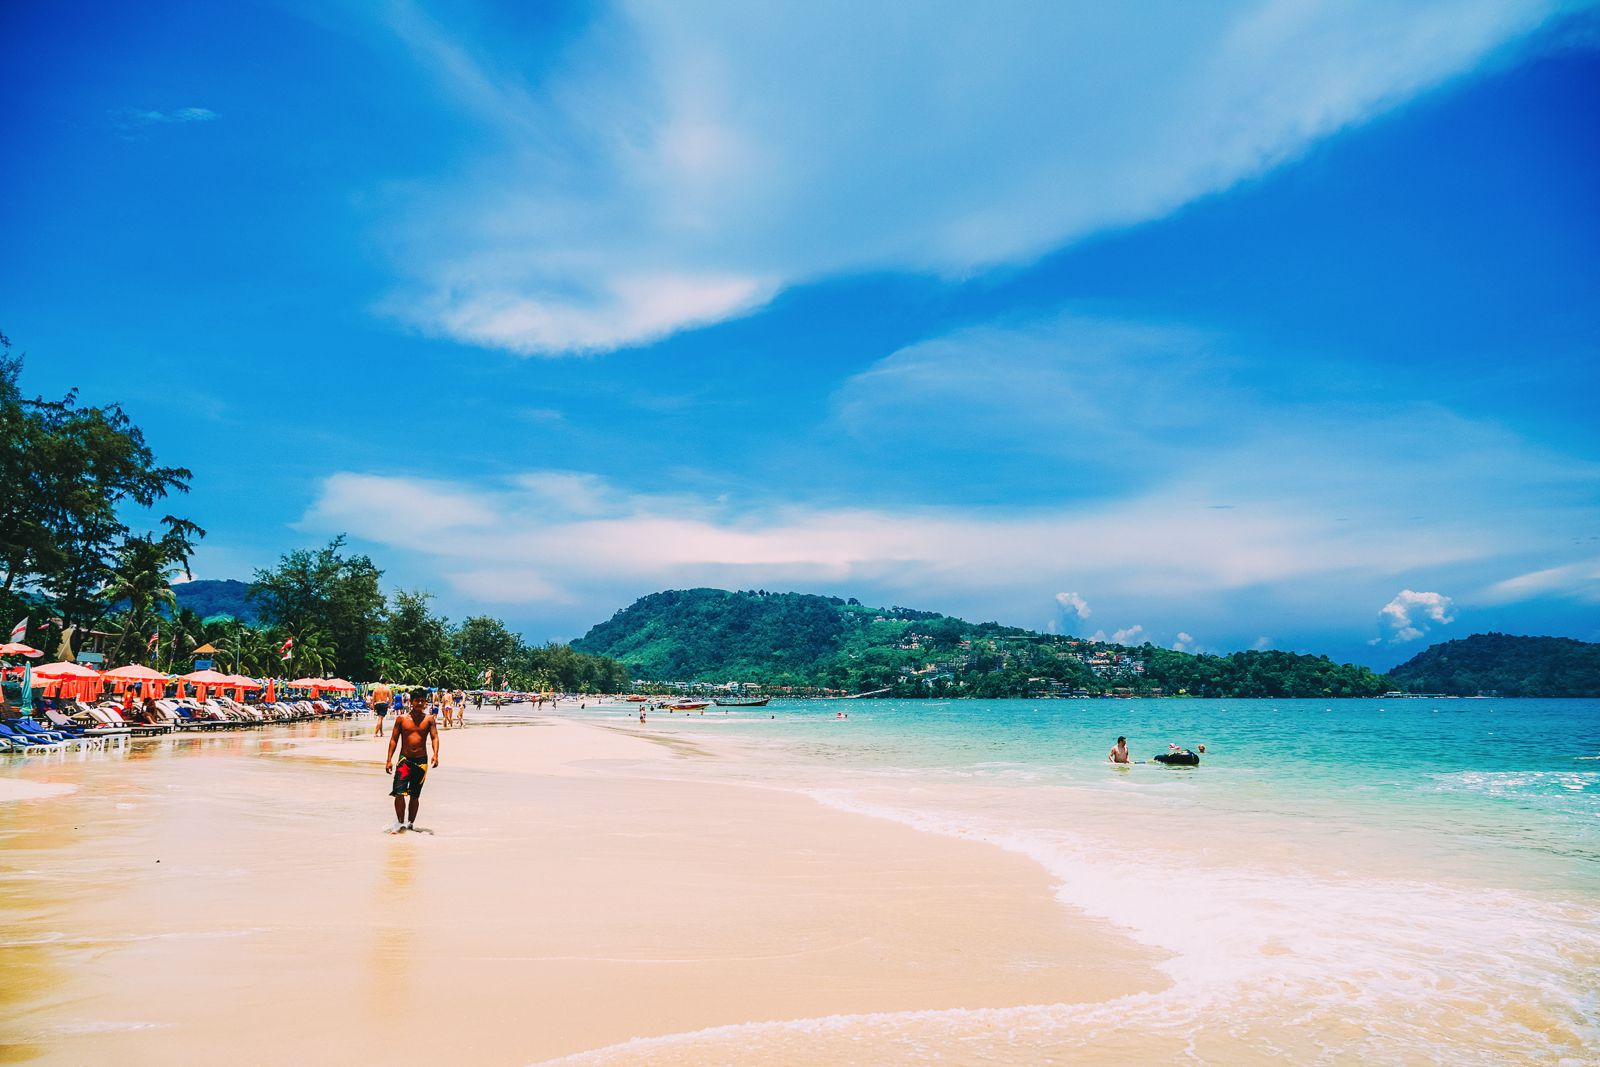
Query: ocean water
x,y
1355,881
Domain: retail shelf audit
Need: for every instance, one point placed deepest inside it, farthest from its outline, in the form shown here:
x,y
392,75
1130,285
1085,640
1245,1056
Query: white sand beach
x,y
235,899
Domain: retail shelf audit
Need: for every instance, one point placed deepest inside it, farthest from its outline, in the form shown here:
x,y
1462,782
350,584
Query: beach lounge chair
x,y
108,715
32,731
245,712
218,710
30,745
102,733
204,716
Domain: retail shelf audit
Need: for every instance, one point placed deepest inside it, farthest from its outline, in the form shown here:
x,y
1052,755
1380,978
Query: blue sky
x,y
1224,326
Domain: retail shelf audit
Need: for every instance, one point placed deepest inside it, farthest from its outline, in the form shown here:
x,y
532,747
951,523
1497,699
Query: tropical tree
x,y
68,470
141,578
313,654
324,591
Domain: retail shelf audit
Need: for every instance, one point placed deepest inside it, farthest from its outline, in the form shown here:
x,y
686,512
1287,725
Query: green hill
x,y
1504,665
212,596
209,596
797,639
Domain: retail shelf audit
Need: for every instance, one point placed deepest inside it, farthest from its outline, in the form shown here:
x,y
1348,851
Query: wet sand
x,y
234,899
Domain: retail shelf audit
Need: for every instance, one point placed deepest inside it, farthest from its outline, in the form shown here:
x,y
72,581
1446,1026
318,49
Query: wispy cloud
x,y
136,117
1576,581
1336,506
682,163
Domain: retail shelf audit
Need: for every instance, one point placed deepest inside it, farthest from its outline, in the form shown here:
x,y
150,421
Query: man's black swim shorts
x,y
408,776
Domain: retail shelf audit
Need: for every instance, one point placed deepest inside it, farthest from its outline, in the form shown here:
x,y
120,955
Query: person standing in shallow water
x,y
414,728
1119,751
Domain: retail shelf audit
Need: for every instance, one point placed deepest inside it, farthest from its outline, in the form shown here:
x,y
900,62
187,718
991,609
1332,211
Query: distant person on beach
x,y
414,727
1119,751
381,696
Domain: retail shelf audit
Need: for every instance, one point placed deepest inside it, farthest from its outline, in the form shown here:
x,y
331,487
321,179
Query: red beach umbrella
x,y
15,649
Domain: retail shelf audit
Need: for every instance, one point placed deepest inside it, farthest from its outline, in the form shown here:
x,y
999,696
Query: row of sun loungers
x,y
78,725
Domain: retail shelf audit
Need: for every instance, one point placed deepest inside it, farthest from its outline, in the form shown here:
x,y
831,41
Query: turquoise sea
x,y
1391,881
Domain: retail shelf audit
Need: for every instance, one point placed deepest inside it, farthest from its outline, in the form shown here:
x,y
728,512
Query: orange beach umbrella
x,y
207,679
135,672
65,669
69,679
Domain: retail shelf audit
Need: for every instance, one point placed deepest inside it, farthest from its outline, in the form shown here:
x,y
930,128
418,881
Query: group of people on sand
x,y
449,707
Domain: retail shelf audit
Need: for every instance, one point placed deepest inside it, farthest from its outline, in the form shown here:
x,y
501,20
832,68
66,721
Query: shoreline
x,y
566,882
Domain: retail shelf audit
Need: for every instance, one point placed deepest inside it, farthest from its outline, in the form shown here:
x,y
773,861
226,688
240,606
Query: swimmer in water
x,y
1119,751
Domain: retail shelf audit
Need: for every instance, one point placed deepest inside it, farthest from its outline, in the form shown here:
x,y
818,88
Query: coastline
x,y
572,897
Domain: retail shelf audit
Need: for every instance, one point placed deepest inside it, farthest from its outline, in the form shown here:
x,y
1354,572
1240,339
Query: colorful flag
x,y
287,650
151,646
19,631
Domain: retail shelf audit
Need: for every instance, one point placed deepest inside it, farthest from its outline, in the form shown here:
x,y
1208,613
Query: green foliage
x,y
715,635
485,642
1258,674
68,471
324,593
777,639
211,596
1505,665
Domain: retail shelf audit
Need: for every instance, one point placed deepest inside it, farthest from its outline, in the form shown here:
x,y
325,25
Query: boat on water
x,y
687,705
743,703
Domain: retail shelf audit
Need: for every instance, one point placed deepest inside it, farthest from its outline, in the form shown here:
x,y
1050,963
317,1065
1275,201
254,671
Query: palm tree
x,y
188,634
312,653
142,576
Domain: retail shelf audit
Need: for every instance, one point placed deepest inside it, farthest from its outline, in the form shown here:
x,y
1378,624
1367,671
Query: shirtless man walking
x,y
414,726
381,696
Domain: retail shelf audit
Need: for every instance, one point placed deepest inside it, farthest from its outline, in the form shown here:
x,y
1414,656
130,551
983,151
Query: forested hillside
x,y
206,597
1504,665
796,639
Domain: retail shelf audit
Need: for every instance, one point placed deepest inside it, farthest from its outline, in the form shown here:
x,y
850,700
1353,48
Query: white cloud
x,y
1409,615
1074,605
179,115
1132,635
1185,643
1576,581
681,163
574,531
1312,538
1261,643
